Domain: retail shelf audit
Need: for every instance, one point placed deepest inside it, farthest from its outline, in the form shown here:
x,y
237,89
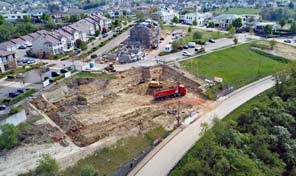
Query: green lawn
x,y
108,160
206,35
237,11
237,66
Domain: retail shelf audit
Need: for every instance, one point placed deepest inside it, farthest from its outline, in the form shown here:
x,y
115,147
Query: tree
x,y
175,46
235,41
88,170
47,166
251,31
189,29
237,23
5,34
272,43
231,29
50,25
2,19
283,22
81,44
97,33
197,35
73,18
268,30
293,27
83,15
291,5
27,19
211,24
175,19
194,23
45,17
9,136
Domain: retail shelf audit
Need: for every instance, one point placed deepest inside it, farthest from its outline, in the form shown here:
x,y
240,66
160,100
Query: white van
x,y
168,48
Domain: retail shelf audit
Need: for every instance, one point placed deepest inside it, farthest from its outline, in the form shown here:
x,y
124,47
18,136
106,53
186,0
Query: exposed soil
x,y
282,50
89,110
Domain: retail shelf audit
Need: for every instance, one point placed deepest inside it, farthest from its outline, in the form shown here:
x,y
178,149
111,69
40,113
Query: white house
x,y
166,15
15,16
8,46
7,60
201,18
259,26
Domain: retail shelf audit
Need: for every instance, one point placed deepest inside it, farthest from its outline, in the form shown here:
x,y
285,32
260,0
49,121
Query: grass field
x,y
108,160
237,66
237,11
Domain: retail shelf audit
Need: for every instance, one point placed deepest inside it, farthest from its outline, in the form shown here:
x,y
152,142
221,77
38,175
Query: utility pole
x,y
178,115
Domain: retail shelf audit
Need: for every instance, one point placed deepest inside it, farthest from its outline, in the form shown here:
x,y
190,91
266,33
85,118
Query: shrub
x,y
47,166
88,170
9,136
22,96
197,35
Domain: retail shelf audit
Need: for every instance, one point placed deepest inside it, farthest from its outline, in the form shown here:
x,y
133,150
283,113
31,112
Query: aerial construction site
x,y
89,109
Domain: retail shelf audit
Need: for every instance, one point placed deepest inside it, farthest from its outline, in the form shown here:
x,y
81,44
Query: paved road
x,y
161,162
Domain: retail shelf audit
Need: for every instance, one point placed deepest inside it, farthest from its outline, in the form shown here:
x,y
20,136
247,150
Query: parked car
x,y
191,44
31,61
54,74
13,94
186,53
21,91
287,41
212,41
2,107
185,47
45,69
161,38
64,71
105,35
22,47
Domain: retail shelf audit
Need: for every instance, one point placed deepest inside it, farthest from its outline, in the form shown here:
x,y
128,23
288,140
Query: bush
x,y
9,136
15,110
277,58
88,170
197,35
47,166
22,96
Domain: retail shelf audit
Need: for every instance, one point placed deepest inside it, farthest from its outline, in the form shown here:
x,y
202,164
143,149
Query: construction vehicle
x,y
110,68
155,84
170,92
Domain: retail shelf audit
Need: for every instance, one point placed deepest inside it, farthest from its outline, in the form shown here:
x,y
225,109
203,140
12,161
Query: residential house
x,y
18,42
73,32
15,16
7,60
259,26
85,29
47,44
8,46
223,21
37,13
201,18
165,15
70,39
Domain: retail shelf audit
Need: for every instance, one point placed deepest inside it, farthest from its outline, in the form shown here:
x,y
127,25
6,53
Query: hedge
x,y
19,98
277,58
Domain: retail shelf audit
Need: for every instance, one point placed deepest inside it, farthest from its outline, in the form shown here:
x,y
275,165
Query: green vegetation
x,y
19,98
47,166
88,170
107,160
9,30
9,136
256,139
237,66
82,75
237,11
22,69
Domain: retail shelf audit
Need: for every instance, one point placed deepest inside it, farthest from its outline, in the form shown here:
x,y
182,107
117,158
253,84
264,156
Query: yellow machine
x,y
155,84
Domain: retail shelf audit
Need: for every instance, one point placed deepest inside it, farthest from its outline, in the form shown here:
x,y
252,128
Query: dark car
x,y
287,41
45,78
185,47
2,107
212,41
13,94
180,47
22,47
20,91
161,38
105,35
64,70
54,74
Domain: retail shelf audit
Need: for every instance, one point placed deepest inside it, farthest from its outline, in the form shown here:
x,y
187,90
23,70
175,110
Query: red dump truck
x,y
170,92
